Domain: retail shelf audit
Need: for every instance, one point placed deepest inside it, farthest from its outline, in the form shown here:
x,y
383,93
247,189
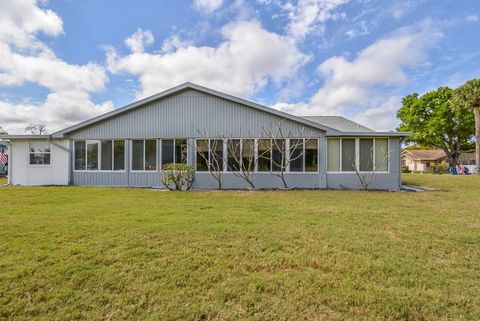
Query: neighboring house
x,y
422,160
4,151
127,146
467,158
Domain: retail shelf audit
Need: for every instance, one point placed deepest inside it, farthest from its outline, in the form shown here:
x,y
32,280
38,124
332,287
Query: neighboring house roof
x,y
466,156
340,123
424,154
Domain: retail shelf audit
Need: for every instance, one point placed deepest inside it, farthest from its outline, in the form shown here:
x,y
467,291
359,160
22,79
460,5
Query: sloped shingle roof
x,y
425,154
340,123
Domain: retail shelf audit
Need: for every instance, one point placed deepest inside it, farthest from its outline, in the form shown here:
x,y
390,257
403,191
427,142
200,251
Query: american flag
x,y
3,158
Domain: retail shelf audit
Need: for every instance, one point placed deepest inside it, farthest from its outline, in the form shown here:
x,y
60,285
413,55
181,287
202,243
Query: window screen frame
x,y
174,151
99,160
357,154
144,170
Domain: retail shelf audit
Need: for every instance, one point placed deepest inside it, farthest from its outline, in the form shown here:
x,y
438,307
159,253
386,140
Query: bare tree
x,y
368,177
242,151
288,146
36,129
211,152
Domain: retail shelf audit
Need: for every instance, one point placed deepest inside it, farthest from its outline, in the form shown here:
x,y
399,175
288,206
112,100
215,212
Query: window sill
x,y
97,171
353,172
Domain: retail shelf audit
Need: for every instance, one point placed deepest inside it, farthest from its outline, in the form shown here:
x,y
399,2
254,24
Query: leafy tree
x,y
467,97
434,123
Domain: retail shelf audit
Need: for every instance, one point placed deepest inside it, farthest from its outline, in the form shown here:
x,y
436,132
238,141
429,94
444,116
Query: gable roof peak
x,y
206,90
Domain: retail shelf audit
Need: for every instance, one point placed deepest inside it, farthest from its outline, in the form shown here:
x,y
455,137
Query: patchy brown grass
x,y
121,254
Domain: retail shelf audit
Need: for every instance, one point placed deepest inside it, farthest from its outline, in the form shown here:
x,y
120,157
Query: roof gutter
x,y
402,135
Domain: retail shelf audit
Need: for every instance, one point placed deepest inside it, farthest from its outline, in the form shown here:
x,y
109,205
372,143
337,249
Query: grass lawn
x,y
133,254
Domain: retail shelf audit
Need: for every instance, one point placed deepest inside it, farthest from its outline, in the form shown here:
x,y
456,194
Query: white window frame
x,y
226,150
160,151
99,141
357,155
156,156
43,153
208,154
303,153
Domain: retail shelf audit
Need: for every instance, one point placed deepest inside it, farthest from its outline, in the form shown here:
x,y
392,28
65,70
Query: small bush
x,y
439,169
177,176
405,169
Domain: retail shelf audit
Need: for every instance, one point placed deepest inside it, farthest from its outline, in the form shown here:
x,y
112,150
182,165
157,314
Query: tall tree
x,y
434,123
467,97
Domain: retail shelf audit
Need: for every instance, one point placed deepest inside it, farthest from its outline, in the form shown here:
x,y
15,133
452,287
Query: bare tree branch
x,y
213,160
285,144
367,177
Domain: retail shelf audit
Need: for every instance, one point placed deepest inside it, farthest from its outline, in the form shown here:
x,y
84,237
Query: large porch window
x,y
104,155
174,151
365,154
268,154
144,155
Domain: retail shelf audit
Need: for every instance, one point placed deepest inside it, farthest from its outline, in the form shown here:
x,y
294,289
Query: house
x,y
128,146
421,160
467,158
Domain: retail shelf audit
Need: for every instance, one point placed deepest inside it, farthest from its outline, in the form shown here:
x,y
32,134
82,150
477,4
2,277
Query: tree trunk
x,y
476,111
284,181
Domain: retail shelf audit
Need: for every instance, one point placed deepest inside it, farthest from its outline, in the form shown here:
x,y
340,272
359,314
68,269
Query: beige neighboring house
x,y
421,160
467,158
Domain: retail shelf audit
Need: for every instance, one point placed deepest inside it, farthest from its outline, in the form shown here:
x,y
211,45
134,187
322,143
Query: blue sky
x,y
65,61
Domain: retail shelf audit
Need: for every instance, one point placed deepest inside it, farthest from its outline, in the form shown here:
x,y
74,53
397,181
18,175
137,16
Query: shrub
x,y
405,169
439,169
177,176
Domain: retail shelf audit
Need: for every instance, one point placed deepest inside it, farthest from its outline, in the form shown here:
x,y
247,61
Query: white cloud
x,y
20,20
173,43
208,6
25,59
58,111
139,40
400,9
308,16
361,30
46,70
382,118
353,87
472,18
244,62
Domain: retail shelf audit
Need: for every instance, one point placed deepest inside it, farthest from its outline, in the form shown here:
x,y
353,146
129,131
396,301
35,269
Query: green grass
x,y
133,254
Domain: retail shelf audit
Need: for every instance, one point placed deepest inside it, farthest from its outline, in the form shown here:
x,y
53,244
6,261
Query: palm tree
x,y
468,96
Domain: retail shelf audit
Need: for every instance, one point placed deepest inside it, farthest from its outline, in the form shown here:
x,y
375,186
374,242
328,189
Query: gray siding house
x,y
128,146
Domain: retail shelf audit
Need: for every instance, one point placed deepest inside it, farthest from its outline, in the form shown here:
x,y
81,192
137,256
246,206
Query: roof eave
x,y
370,134
25,137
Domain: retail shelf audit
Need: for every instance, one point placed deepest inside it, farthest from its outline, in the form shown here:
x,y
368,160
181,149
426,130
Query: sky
x,y
62,62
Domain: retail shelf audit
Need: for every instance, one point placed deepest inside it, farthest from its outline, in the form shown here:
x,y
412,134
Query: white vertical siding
x,y
22,173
